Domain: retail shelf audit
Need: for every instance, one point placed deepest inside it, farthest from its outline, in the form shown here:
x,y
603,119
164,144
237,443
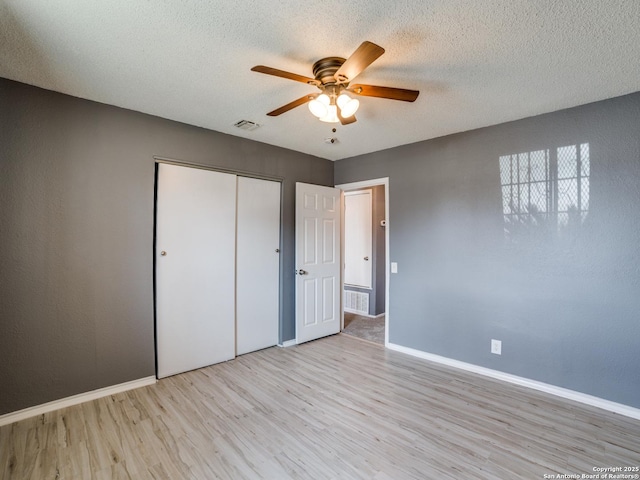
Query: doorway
x,y
365,243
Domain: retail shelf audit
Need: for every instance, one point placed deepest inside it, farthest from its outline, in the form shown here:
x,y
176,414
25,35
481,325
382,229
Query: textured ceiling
x,y
476,63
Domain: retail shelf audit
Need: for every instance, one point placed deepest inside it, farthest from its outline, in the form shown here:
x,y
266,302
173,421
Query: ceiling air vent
x,y
246,125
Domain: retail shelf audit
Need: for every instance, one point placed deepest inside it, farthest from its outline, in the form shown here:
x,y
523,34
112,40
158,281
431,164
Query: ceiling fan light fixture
x,y
331,116
319,106
333,76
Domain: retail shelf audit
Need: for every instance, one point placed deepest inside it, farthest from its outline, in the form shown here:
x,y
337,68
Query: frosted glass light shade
x,y
319,106
349,108
331,116
343,99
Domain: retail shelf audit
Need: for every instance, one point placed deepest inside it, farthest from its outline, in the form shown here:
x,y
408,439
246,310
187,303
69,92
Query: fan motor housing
x,y
325,69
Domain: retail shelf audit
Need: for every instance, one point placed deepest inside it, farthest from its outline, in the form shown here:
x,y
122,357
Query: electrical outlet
x,y
496,346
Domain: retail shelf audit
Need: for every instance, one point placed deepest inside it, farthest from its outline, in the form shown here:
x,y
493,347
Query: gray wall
x,y
566,306
379,253
76,229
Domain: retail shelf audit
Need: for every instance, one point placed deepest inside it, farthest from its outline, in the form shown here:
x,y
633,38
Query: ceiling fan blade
x,y
281,73
292,105
348,120
364,56
385,92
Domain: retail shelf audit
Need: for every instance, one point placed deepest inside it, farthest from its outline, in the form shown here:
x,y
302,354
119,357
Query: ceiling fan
x,y
333,77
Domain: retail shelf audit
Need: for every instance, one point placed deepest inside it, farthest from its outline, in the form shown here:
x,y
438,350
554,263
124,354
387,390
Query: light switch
x,y
394,267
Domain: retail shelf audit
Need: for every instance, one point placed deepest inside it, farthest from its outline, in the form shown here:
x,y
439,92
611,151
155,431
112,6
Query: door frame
x,y
384,181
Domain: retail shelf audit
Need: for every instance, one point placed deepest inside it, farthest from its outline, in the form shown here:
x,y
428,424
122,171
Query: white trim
x,y
8,418
366,191
374,183
288,343
598,402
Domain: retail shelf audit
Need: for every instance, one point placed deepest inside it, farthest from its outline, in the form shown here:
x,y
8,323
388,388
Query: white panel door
x,y
258,264
357,238
195,268
317,261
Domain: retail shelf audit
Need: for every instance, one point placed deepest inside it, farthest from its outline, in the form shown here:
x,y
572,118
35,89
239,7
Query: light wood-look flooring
x,y
336,408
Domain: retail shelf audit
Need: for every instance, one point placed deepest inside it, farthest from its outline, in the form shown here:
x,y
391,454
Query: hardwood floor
x,y
336,408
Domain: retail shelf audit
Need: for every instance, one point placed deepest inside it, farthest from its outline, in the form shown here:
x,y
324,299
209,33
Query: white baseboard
x,y
8,418
614,407
288,343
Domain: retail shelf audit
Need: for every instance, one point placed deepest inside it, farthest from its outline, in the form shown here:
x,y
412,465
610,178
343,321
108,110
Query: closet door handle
x,y
302,272
366,259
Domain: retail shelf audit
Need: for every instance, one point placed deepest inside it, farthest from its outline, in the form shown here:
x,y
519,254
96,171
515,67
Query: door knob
x,y
163,253
302,272
366,259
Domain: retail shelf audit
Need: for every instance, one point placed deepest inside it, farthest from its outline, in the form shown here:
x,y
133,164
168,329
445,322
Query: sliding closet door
x,y
195,268
258,243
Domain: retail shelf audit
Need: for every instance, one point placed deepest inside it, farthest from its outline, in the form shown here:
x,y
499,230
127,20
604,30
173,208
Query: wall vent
x,y
246,125
356,302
